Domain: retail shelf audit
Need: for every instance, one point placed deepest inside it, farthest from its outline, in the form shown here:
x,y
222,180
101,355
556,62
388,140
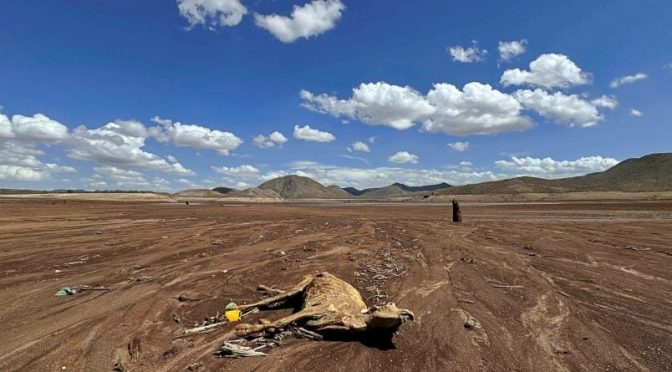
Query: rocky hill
x,y
395,189
298,187
646,174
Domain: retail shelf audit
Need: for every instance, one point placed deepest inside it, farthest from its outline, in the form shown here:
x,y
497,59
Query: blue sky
x,y
175,94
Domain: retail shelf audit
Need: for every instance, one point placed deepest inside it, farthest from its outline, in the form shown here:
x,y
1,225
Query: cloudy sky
x,y
176,94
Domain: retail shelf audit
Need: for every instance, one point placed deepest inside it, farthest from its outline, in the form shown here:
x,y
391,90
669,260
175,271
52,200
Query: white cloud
x,y
36,128
567,109
114,145
307,133
272,140
550,168
477,109
121,177
459,146
195,136
628,80
635,112
243,171
19,154
374,103
212,13
160,183
548,71
466,164
359,146
19,162
467,55
510,49
404,157
305,21
605,102
383,176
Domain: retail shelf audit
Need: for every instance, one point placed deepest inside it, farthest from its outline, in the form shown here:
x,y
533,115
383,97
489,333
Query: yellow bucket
x,y
232,315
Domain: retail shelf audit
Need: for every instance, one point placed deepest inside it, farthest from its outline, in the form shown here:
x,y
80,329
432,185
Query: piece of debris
x,y
202,329
134,348
638,249
472,323
467,260
268,291
498,284
282,253
231,350
184,298
177,318
465,301
70,291
118,366
195,366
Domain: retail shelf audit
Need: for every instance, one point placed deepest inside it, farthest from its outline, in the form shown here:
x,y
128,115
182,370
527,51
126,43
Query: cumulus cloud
x,y
635,112
195,136
383,176
566,109
629,79
121,177
609,102
272,140
19,155
36,128
243,171
477,109
404,157
459,146
212,13
359,146
305,21
548,71
467,55
115,145
510,49
306,133
19,162
550,168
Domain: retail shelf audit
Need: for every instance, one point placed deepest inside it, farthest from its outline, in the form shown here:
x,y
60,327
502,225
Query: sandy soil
x,y
584,286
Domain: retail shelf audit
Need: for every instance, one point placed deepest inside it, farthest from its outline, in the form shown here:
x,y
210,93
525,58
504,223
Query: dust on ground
x,y
572,286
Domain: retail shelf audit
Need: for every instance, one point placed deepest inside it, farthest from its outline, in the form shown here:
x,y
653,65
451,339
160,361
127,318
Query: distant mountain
x,y
395,189
194,193
223,190
298,187
253,193
648,173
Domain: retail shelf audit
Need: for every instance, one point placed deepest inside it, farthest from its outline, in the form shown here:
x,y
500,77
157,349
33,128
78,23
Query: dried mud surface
x,y
562,287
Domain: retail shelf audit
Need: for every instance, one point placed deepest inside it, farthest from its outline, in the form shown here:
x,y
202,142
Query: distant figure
x,y
457,215
187,202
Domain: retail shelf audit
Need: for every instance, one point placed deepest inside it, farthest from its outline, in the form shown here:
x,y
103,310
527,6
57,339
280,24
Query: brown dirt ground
x,y
585,301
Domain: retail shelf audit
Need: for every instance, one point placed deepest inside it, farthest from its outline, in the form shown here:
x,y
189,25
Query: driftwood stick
x,y
201,329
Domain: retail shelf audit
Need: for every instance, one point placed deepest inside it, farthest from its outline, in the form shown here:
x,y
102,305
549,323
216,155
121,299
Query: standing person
x,y
457,215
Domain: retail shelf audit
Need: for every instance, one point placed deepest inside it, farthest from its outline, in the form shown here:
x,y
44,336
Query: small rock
x,y
282,253
195,366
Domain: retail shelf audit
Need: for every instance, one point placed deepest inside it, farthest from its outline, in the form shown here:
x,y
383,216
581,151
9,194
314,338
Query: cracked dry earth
x,y
562,287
